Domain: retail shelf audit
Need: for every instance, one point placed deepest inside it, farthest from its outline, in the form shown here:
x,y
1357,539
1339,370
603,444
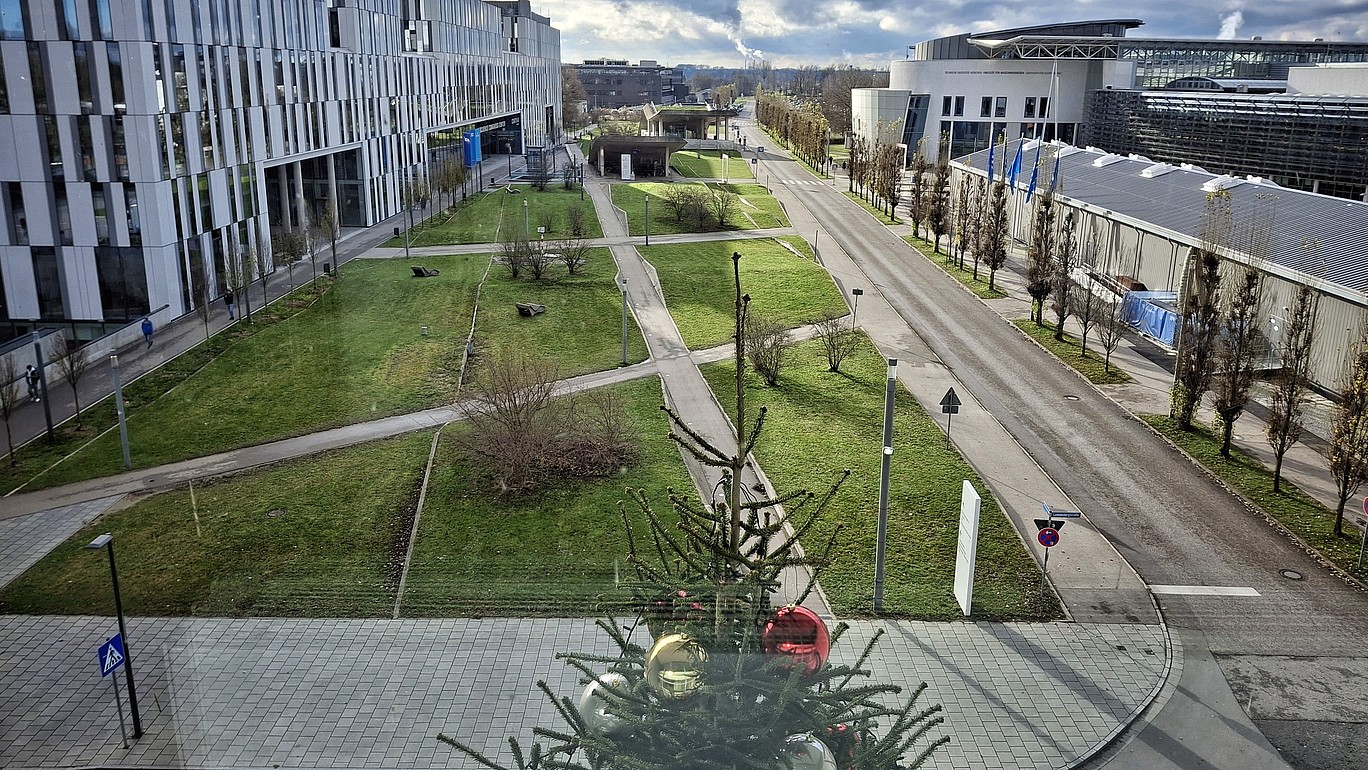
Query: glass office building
x,y
146,141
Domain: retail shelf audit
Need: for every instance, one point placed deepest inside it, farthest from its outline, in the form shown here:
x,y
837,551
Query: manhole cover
x,y
1291,574
276,513
1071,398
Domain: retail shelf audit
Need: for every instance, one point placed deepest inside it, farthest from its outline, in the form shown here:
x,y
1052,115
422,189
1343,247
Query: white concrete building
x,y
142,142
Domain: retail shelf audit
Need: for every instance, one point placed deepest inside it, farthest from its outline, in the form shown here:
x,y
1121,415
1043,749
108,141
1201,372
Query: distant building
x,y
1086,82
145,144
613,83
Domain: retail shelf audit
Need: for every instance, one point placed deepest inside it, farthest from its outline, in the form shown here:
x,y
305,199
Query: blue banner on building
x,y
470,146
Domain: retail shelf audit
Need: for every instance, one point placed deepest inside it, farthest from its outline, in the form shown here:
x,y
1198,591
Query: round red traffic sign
x,y
1048,537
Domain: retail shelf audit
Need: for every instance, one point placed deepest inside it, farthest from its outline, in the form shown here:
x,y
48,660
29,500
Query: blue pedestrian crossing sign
x,y
111,655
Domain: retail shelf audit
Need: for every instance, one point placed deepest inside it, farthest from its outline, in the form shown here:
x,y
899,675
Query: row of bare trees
x,y
876,172
803,129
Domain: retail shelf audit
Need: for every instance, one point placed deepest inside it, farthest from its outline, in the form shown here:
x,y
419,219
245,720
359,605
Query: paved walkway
x,y
374,693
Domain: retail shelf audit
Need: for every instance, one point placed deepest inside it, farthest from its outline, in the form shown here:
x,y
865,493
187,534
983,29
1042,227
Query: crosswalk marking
x,y
802,181
1203,590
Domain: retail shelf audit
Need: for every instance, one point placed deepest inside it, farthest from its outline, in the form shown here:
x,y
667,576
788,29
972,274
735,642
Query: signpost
x,y
1363,525
950,405
1048,535
111,656
881,535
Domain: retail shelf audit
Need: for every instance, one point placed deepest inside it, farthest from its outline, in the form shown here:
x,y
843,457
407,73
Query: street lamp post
x,y
624,321
648,219
119,409
106,541
855,311
881,534
527,227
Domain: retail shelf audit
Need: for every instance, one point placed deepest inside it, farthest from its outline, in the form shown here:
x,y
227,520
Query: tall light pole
x,y
106,541
119,409
624,321
881,536
648,219
42,381
527,227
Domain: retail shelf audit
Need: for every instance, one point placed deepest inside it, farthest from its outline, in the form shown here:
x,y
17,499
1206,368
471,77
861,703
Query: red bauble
x,y
798,634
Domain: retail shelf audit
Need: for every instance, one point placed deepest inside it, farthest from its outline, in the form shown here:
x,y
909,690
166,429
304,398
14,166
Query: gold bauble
x,y
674,666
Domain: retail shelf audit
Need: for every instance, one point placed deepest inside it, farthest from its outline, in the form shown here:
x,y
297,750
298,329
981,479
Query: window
x,y
1029,112
1000,108
14,199
1044,106
47,275
945,105
13,20
959,106
122,275
986,107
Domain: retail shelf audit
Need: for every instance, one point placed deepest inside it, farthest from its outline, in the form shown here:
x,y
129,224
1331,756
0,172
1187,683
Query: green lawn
x,y
820,424
314,537
1293,508
1091,366
966,276
356,355
485,216
707,164
99,417
755,209
581,328
696,279
559,553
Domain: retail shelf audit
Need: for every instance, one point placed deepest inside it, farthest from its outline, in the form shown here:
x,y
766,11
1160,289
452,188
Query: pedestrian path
x,y
319,693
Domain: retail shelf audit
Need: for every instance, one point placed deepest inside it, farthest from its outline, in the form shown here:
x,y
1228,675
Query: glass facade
x,y
1318,144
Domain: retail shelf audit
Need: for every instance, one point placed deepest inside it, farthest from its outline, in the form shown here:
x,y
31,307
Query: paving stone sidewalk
x,y
294,693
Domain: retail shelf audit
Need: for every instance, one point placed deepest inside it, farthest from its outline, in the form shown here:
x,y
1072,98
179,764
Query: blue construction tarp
x,y
1152,313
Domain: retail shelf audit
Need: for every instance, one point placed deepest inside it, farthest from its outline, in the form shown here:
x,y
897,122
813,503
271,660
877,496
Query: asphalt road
x,y
1290,656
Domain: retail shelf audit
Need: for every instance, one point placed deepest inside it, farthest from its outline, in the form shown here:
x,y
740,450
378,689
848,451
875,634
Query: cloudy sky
x,y
790,33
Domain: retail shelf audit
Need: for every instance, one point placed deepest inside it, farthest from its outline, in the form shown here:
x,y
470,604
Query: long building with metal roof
x,y
1149,218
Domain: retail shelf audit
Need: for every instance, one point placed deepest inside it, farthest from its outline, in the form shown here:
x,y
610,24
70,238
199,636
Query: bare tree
x,y
993,236
1063,273
767,343
1293,380
964,217
1348,454
71,363
515,251
1040,256
9,402
1201,324
515,418
838,339
238,271
539,259
261,255
330,229
526,434
938,203
1086,304
917,196
723,204
1109,331
546,219
575,215
1237,354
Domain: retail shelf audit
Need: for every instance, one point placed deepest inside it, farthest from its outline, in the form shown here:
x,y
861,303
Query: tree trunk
x,y
1339,516
1227,433
1277,470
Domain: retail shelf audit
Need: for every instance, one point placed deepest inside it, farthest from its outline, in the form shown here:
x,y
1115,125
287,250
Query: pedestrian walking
x,y
31,377
147,331
228,300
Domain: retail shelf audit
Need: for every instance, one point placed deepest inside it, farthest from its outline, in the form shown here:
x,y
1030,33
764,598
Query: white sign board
x,y
967,550
627,175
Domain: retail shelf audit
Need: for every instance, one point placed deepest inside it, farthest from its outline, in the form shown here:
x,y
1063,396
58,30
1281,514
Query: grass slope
x,y
696,279
329,552
820,424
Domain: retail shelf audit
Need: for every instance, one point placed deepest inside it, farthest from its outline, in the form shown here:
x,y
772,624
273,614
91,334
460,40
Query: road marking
x,y
1203,590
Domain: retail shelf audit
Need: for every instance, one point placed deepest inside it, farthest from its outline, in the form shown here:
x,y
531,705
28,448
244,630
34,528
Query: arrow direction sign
x,y
111,655
950,403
